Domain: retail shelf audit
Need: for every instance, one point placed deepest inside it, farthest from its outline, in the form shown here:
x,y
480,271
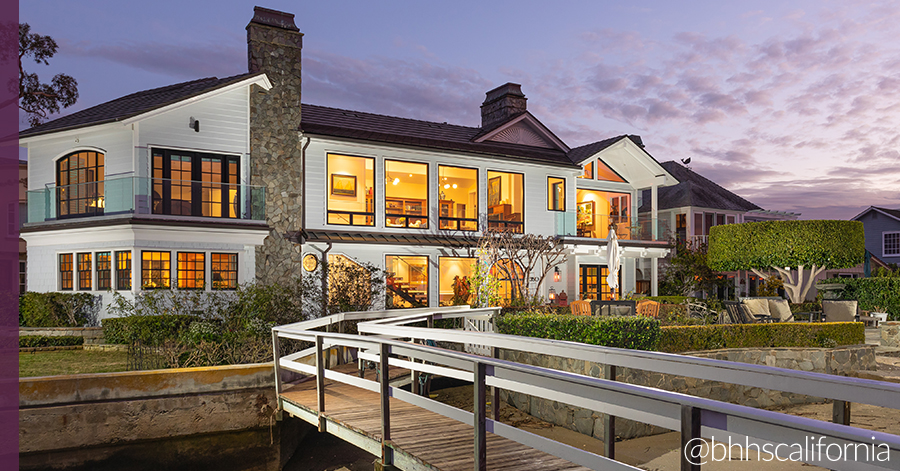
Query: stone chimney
x,y
273,46
502,103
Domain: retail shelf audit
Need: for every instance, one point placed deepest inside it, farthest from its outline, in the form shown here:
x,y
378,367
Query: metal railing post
x,y
690,432
414,378
320,382
480,420
609,421
387,453
276,349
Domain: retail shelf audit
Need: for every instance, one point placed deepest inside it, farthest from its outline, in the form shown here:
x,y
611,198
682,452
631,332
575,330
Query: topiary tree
x,y
786,245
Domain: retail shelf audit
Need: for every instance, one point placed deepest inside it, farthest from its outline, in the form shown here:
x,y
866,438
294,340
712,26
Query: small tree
x,y
520,258
787,245
38,99
687,271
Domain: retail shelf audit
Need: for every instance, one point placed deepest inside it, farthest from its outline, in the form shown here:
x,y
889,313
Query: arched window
x,y
79,184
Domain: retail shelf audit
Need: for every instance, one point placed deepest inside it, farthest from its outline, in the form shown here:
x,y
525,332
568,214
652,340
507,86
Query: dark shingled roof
x,y
892,212
580,153
694,190
335,122
135,104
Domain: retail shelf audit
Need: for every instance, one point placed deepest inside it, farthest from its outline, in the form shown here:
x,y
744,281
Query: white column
x,y
654,276
654,211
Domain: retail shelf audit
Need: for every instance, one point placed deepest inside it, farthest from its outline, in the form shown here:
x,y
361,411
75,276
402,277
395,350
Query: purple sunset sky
x,y
793,105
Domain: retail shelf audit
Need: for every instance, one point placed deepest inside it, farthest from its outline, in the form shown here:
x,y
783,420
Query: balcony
x,y
596,226
148,196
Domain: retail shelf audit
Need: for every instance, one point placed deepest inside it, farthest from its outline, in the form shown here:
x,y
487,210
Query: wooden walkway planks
x,y
441,442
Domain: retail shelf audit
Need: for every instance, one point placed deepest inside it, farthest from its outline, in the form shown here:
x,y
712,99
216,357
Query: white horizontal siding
x,y
115,142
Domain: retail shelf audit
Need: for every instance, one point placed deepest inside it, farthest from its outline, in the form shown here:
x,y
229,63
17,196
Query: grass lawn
x,y
67,362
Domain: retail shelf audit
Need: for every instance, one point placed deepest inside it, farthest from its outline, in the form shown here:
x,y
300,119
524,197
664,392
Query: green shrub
x,y
666,299
874,294
58,309
32,341
148,330
711,337
638,333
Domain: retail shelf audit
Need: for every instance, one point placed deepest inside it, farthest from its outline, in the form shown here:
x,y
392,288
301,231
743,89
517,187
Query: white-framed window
x,y
891,242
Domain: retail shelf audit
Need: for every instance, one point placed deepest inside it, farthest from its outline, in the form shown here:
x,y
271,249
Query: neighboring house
x,y
215,182
146,191
882,227
23,217
696,204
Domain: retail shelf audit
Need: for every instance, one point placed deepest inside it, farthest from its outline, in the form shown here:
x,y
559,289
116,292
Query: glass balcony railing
x,y
141,195
596,226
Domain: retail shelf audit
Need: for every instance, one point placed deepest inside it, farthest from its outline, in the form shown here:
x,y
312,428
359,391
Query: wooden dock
x,y
420,439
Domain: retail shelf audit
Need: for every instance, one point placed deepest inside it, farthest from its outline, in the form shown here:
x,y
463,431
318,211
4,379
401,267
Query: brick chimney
x,y
502,103
273,46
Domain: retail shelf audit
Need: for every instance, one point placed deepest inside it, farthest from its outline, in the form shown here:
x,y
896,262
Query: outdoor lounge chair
x,y
581,308
737,313
648,308
840,311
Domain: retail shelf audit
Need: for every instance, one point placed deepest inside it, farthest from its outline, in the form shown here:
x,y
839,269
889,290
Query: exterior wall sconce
x,y
555,274
552,295
194,124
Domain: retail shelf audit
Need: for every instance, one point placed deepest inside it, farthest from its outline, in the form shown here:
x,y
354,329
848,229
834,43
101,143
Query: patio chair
x,y
738,313
839,311
648,308
581,308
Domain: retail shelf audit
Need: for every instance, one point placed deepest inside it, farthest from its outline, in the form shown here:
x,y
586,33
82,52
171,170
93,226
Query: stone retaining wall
x,y
890,334
844,361
92,335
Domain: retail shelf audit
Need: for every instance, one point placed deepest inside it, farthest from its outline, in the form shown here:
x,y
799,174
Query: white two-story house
x,y
146,191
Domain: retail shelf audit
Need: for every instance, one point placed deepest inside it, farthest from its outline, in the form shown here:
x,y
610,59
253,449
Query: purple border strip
x,y
9,240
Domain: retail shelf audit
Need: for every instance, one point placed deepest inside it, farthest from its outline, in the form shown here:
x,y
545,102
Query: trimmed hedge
x,y
872,293
637,333
148,330
34,341
793,334
57,309
666,299
827,243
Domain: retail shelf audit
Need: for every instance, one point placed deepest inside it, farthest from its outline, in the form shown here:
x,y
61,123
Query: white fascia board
x,y
527,117
657,172
260,80
137,232
24,141
873,208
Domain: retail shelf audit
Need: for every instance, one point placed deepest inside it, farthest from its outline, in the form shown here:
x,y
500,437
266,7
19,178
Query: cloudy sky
x,y
794,105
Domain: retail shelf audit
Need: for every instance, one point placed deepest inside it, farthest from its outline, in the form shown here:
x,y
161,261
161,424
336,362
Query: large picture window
x,y
458,192
405,194
155,269
455,282
351,190
224,271
598,211
123,270
506,201
407,281
196,184
79,184
191,270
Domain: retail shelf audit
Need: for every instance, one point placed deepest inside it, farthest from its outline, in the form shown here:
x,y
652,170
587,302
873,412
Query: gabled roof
x,y
893,213
523,128
694,190
578,154
322,120
135,104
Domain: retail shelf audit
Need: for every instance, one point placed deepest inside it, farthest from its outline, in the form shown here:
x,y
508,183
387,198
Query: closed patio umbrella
x,y
612,261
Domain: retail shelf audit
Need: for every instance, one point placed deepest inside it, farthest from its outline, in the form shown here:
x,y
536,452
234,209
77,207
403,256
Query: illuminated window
x,y
588,171
510,276
407,281
104,270
195,184
224,270
84,272
597,211
556,194
455,281
155,269
123,270
79,184
506,202
351,190
65,272
607,174
458,192
593,283
405,194
191,270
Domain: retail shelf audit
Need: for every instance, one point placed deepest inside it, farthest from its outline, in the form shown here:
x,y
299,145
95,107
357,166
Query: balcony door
x,y
196,184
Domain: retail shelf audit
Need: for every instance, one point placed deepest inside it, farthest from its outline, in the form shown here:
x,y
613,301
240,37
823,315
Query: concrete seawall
x,y
192,418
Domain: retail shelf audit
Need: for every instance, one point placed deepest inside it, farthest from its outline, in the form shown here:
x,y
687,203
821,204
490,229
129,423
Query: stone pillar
x,y
273,46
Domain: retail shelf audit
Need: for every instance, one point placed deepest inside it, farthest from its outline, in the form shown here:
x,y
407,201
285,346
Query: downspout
x,y
303,185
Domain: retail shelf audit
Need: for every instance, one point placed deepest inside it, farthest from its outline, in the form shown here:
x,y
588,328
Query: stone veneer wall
x,y
890,334
273,46
843,361
92,335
